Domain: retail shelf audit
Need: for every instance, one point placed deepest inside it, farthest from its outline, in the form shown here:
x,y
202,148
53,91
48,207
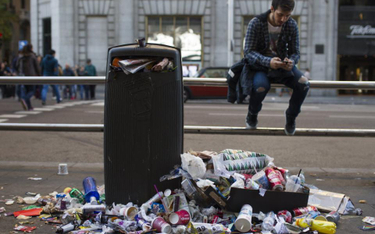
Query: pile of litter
x,y
134,65
230,191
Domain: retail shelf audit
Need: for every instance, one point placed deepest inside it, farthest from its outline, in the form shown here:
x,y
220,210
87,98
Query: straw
x,y
299,173
161,199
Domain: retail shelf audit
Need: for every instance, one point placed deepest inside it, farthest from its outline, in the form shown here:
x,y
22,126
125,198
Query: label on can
x,y
304,210
274,179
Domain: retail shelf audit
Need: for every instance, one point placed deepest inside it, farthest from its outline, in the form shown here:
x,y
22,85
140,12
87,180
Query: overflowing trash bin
x,y
143,123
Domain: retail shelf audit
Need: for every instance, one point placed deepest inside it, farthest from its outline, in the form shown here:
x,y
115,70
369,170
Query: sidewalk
x,y
274,98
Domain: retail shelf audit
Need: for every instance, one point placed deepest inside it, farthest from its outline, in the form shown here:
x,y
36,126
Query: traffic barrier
x,y
220,82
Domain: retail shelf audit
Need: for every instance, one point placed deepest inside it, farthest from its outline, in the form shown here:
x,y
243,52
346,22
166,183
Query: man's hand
x,y
276,63
287,64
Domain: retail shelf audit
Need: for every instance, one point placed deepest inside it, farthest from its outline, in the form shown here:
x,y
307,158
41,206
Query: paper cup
x,y
181,217
63,169
161,225
130,212
167,193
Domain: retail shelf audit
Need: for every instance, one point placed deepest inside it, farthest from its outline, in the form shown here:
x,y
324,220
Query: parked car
x,y
191,92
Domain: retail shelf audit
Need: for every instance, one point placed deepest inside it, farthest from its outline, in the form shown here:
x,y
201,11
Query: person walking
x,y
80,70
69,91
272,51
91,71
27,65
50,68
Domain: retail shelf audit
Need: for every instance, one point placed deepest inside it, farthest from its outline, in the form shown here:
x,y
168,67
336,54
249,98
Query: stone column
x,y
62,26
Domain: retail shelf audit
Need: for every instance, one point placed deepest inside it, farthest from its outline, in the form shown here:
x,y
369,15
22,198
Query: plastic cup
x,y
63,169
292,185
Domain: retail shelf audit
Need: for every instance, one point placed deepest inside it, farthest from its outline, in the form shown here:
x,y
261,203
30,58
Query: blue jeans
x,y
262,84
26,92
55,89
81,91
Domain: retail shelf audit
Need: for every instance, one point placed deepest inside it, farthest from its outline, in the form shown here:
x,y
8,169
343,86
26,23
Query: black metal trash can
x,y
143,125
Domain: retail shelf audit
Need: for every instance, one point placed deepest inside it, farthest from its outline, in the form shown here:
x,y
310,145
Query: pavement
x,y
17,179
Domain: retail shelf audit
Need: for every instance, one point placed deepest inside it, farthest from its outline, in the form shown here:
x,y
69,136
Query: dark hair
x,y
285,5
27,49
52,52
88,61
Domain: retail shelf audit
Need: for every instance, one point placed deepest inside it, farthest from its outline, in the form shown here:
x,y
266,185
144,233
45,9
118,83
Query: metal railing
x,y
221,82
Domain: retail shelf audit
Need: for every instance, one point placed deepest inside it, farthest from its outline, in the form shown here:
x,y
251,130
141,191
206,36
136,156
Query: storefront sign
x,y
359,31
356,31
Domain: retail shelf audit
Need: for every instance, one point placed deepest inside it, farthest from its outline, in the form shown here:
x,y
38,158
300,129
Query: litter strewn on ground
x,y
230,191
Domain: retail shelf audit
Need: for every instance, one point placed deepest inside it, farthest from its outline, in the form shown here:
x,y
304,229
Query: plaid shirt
x,y
257,41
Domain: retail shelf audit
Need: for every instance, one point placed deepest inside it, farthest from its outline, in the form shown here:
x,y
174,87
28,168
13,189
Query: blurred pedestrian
x,y
81,72
91,71
38,88
7,91
27,65
50,68
69,89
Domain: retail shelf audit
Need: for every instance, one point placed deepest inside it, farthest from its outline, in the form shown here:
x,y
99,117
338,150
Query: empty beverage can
x,y
304,210
333,216
274,179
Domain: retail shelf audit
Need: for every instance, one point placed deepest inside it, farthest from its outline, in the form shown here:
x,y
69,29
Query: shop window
x,y
184,32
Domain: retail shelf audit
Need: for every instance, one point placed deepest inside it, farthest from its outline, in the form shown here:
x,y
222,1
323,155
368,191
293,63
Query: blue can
x,y
89,185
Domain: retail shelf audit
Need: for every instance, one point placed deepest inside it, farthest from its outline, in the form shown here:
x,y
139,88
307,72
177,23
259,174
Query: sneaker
x,y
43,103
252,121
23,103
290,126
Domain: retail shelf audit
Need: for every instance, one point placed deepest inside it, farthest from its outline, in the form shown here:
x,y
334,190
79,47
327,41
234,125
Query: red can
x,y
304,210
287,216
274,179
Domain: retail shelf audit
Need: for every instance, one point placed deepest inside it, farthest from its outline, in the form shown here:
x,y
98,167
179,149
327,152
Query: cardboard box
x,y
271,201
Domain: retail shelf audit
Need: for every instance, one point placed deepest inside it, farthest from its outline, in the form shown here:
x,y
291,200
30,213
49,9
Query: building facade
x,y
209,32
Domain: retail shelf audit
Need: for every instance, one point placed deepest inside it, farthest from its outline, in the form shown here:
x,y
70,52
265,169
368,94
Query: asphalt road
x,y
338,164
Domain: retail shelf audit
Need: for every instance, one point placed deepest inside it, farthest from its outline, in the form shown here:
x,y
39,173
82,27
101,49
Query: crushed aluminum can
x,y
333,216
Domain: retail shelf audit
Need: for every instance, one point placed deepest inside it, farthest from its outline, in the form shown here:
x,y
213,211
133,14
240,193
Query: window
x,y
184,32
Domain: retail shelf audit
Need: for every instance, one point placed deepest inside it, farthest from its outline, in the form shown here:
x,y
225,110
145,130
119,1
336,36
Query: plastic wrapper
x,y
245,162
193,165
206,228
176,202
24,228
205,183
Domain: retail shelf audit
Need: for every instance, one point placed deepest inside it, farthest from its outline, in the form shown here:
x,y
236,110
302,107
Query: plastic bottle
x,y
268,222
321,226
91,193
61,203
